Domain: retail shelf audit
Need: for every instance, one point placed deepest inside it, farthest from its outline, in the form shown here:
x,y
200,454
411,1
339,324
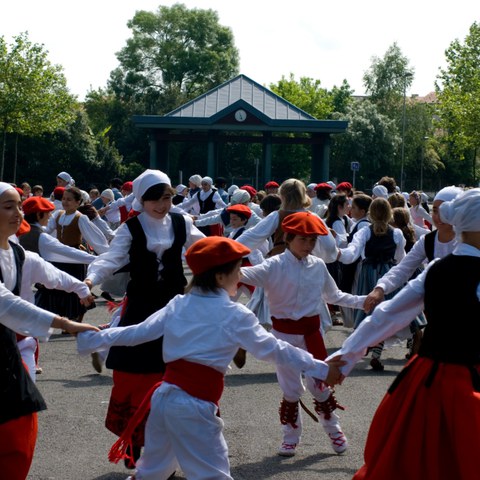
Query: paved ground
x,y
73,442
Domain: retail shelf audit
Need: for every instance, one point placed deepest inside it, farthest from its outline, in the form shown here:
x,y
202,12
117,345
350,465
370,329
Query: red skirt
x,y
424,432
128,392
17,444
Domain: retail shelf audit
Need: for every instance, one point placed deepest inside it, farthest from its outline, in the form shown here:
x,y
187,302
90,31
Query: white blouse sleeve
x,y
115,258
341,238
92,234
193,233
255,236
400,242
356,247
23,317
53,250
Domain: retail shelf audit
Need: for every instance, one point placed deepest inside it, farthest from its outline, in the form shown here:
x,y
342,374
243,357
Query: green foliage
x,y
371,139
458,92
34,98
387,79
174,55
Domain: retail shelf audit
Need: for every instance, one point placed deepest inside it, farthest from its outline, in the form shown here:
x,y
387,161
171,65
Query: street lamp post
x,y
405,76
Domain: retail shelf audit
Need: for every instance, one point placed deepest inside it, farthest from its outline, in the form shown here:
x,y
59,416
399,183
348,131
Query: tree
x,y
34,98
387,80
458,92
371,139
174,55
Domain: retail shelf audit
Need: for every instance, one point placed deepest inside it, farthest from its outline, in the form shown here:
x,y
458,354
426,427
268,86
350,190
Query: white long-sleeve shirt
x,y
400,274
37,270
356,248
297,288
419,214
193,203
205,328
341,238
391,316
22,317
159,235
92,234
253,238
52,250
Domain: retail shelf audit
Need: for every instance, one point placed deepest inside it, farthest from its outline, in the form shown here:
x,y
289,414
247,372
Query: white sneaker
x,y
339,441
287,449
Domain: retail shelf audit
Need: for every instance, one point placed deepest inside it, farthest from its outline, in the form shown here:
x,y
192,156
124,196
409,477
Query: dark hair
x,y
271,203
362,201
332,213
157,191
401,220
116,182
89,210
207,281
323,193
389,183
31,217
220,182
77,194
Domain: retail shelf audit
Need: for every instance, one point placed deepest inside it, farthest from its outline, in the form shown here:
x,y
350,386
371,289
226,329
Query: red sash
x,y
197,380
309,327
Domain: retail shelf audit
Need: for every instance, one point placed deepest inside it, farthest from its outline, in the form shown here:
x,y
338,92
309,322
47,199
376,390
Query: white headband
x,y
4,187
143,182
463,212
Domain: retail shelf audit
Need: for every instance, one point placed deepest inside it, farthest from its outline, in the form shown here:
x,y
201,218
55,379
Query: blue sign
x,y
355,166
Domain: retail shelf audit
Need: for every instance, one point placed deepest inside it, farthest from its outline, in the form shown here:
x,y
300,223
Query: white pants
x,y
183,431
292,386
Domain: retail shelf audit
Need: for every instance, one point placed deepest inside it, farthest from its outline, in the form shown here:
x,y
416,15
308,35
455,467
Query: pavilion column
x,y
211,154
320,166
267,157
159,157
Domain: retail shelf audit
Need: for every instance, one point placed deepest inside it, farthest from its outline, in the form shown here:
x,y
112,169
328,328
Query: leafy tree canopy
x,y
174,55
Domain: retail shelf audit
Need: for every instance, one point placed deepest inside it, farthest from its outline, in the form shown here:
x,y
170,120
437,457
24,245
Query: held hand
x,y
335,376
72,327
88,283
87,301
375,297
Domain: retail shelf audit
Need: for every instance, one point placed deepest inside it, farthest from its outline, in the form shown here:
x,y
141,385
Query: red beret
x,y
37,204
240,209
211,252
344,186
323,186
250,190
128,186
272,184
305,224
20,191
58,190
24,228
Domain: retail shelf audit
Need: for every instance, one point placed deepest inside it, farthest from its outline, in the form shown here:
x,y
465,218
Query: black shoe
x,y
136,455
107,296
376,365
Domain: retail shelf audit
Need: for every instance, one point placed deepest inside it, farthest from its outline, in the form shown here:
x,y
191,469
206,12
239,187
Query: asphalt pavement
x,y
73,442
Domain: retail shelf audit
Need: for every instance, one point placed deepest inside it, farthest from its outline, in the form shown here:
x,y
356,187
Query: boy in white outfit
x,y
295,284
183,428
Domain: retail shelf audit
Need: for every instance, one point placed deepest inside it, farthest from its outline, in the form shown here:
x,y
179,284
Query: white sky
x,y
326,40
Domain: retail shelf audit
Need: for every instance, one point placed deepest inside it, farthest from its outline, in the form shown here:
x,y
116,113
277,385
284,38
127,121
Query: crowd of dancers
x,y
390,266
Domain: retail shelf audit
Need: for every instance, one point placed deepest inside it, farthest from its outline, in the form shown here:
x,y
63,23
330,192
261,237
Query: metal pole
x,y
403,132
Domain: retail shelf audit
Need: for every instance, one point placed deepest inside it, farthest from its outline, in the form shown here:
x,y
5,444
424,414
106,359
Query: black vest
x,y
18,394
29,241
149,290
430,245
452,282
380,248
208,204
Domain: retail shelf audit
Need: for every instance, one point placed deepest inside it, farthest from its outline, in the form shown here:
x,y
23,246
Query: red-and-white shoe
x,y
339,441
287,449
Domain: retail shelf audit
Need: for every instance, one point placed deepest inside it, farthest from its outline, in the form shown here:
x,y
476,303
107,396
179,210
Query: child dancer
x,y
20,400
380,246
183,428
432,409
151,245
296,283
